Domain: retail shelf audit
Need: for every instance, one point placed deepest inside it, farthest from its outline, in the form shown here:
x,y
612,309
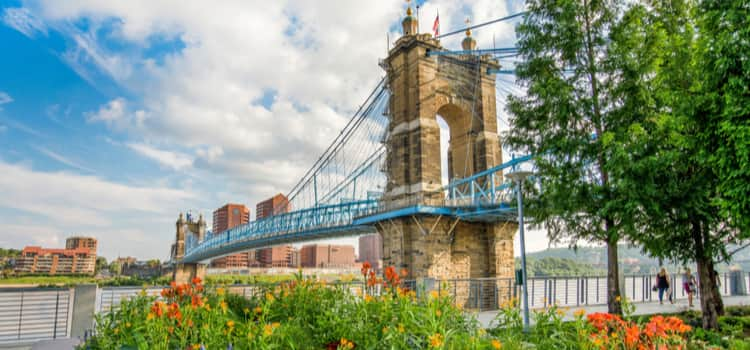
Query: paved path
x,y
649,308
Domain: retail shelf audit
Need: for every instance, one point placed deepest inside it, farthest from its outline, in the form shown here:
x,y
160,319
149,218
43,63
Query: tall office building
x,y
279,256
229,216
225,218
275,205
327,255
371,249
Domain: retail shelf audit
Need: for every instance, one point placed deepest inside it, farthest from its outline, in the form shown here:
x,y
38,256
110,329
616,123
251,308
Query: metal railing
x,y
28,315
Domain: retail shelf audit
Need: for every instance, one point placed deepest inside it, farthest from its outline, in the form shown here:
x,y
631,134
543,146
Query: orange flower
x,y
196,280
632,334
366,267
436,340
404,272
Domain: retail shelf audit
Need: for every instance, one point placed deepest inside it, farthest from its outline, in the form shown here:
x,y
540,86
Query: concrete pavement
x,y
486,317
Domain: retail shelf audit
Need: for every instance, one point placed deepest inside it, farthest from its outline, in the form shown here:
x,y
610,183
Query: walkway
x,y
649,308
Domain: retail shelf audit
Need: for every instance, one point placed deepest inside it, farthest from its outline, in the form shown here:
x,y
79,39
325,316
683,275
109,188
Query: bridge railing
x,y
295,222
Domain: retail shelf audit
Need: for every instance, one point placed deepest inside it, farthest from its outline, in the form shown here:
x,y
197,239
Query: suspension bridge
x,y
382,173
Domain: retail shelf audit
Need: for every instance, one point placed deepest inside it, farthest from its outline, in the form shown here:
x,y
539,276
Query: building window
x,y
236,211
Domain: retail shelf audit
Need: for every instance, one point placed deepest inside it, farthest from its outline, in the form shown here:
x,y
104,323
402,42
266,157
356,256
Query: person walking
x,y
662,284
688,284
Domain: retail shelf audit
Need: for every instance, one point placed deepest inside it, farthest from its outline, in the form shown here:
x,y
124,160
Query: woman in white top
x,y
688,284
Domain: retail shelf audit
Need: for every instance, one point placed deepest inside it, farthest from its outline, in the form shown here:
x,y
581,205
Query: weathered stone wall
x,y
458,89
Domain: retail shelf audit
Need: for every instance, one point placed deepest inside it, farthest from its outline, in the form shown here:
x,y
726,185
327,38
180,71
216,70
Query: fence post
x,y
20,317
84,302
57,308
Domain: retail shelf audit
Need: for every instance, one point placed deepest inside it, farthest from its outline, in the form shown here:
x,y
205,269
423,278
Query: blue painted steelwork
x,y
300,225
472,52
481,197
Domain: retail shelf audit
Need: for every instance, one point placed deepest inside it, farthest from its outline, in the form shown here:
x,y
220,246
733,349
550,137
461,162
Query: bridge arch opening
x,y
456,151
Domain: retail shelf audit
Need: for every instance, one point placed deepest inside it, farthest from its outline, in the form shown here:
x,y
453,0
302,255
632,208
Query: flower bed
x,y
305,314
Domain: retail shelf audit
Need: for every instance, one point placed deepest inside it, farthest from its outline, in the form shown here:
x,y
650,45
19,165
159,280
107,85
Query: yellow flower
x,y
150,316
560,312
438,313
496,344
246,311
258,309
220,291
267,330
117,330
400,328
346,344
385,329
127,324
368,298
196,346
617,298
208,307
270,297
434,294
275,325
614,335
230,324
436,340
223,305
579,313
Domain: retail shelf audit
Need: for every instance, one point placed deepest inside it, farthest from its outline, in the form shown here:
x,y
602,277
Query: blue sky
x,y
117,115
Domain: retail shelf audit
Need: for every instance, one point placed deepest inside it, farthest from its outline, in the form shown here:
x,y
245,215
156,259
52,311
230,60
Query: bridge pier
x,y
184,273
452,252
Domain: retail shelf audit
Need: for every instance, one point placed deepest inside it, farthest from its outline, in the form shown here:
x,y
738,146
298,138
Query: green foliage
x,y
9,253
723,61
559,267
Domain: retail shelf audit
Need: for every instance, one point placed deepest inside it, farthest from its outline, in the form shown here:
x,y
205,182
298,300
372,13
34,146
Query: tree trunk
x,y
614,305
711,304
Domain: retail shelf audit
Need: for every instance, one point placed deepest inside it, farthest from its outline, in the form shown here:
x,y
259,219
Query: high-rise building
x,y
225,218
79,257
76,242
325,255
272,206
371,249
278,256
229,216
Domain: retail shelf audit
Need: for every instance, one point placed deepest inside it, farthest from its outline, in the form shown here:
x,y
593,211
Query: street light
x,y
519,177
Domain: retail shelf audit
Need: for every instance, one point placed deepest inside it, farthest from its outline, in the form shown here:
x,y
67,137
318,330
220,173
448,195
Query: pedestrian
x,y
662,284
688,284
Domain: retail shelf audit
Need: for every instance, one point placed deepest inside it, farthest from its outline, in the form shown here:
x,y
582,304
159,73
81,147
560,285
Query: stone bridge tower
x,y
459,89
184,272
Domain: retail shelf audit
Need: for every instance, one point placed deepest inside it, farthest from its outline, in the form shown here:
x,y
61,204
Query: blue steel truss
x,y
481,197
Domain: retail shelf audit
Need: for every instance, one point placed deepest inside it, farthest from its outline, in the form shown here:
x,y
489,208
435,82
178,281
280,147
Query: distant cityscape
x,y
79,257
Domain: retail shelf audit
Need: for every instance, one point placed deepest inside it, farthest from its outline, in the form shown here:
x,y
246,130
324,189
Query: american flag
x,y
436,25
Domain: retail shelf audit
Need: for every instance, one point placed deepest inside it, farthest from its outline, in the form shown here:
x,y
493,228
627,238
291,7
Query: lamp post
x,y
519,177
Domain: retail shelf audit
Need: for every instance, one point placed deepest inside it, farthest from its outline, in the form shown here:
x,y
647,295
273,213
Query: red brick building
x,y
79,258
371,249
327,255
272,206
279,256
225,218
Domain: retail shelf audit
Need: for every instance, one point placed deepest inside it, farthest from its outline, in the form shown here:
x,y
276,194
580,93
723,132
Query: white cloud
x,y
62,159
24,21
173,160
61,203
4,98
116,115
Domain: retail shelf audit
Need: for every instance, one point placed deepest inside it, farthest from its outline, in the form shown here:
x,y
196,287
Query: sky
x,y
115,116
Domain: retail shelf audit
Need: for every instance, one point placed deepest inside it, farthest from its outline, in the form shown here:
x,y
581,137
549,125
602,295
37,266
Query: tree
x,y
724,66
586,65
115,268
101,263
669,165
